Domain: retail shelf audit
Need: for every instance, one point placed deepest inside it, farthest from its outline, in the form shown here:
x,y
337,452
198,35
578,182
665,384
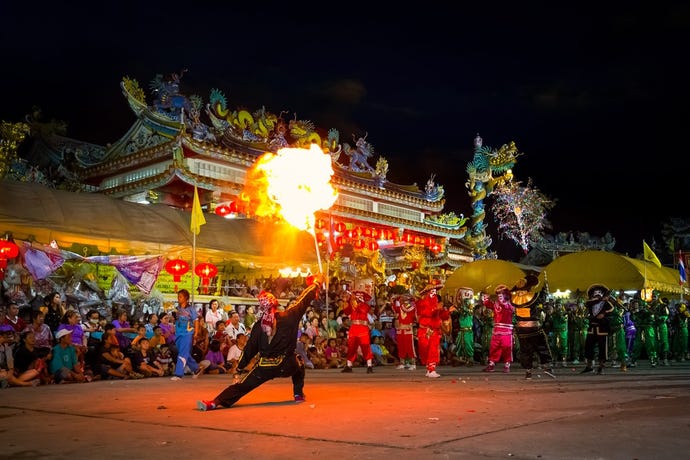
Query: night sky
x,y
596,98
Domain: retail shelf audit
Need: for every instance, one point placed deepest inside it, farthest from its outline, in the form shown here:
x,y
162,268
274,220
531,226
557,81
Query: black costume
x,y
528,327
275,357
599,307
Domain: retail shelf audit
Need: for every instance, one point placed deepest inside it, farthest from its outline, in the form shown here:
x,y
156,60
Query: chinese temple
x,y
178,142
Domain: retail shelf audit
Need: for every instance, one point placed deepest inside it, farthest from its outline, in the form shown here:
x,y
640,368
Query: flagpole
x,y
682,274
318,254
193,264
196,221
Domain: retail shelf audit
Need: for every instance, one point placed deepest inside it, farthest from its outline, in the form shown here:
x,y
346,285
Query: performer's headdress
x,y
503,289
597,291
433,285
265,313
524,292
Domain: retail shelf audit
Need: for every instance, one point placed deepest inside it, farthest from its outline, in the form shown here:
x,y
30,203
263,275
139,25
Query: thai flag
x,y
681,269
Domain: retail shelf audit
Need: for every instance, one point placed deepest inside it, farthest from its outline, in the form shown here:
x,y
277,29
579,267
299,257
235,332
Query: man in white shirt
x,y
235,353
234,326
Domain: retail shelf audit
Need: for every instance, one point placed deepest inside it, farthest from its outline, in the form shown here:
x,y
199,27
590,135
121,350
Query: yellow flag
x,y
198,218
649,254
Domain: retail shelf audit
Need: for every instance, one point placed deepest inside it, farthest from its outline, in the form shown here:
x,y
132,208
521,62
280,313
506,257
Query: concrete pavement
x,y
641,414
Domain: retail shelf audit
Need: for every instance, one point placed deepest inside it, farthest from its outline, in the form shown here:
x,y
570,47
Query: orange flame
x,y
291,184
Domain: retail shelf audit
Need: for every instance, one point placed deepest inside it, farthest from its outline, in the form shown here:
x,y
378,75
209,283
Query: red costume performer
x,y
501,348
358,335
430,313
405,312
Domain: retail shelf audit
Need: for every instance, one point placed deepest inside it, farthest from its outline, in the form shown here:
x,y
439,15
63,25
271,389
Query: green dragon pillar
x,y
487,170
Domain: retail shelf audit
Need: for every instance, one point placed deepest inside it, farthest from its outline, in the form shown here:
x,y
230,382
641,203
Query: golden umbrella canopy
x,y
578,271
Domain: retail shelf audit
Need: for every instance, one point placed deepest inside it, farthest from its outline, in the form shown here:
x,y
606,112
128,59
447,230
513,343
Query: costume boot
x,y
588,369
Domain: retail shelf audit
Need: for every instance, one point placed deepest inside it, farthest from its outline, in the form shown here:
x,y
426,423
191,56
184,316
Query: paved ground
x,y
641,414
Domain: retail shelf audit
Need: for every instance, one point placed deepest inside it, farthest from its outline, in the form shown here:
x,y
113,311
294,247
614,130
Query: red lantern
x,y
359,244
206,271
223,210
177,268
339,227
8,250
319,224
373,246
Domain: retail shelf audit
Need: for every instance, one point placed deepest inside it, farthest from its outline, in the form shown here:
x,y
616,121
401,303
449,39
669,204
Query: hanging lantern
x,y
408,238
373,246
319,224
8,250
359,244
206,271
320,237
435,248
339,227
177,268
226,209
223,210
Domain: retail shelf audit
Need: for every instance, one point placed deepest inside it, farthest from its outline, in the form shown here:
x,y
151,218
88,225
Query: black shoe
x,y
587,370
370,370
528,375
346,369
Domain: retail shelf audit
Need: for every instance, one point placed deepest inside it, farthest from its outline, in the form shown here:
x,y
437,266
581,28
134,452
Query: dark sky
x,y
596,99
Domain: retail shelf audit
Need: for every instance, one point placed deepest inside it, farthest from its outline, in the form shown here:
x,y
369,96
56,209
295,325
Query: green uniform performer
x,y
661,312
559,325
646,333
464,342
618,344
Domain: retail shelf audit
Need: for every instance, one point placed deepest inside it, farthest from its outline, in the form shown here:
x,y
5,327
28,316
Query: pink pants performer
x,y
501,348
